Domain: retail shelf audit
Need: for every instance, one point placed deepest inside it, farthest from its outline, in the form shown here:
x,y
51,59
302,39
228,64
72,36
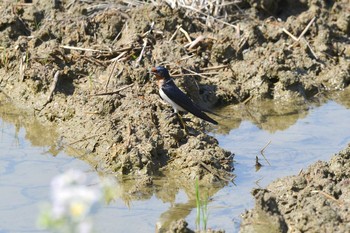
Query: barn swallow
x,y
175,97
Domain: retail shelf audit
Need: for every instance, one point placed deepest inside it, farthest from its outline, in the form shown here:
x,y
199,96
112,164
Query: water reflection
x,y
274,116
342,98
26,170
179,196
266,115
38,134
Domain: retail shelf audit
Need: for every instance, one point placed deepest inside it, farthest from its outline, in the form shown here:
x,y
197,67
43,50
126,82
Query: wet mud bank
x,y
316,200
84,67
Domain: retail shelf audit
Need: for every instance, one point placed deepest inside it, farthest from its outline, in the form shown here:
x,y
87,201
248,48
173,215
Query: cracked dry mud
x,y
105,104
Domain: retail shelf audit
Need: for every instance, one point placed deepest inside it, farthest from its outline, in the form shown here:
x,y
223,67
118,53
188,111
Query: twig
x,y
196,41
301,170
120,72
93,60
92,113
289,34
306,28
24,4
53,86
174,34
110,75
238,31
113,92
247,100
262,152
84,139
241,44
194,73
117,58
309,46
120,32
186,34
258,181
187,57
302,33
216,173
145,41
327,196
127,142
83,49
51,91
301,36
215,67
126,49
22,67
150,30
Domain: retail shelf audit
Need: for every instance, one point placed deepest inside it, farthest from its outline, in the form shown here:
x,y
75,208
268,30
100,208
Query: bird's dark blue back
x,y
174,93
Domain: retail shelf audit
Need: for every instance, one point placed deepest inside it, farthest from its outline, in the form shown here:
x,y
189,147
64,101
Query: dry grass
x,y
210,7
208,10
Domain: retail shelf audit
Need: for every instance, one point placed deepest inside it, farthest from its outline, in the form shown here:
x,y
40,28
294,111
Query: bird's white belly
x,y
176,107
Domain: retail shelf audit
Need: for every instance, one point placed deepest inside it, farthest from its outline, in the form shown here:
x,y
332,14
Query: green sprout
x,y
202,209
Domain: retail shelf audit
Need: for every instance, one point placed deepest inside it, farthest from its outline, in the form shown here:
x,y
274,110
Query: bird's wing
x,y
175,94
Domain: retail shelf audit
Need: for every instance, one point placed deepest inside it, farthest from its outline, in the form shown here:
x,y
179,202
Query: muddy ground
x,y
316,200
83,66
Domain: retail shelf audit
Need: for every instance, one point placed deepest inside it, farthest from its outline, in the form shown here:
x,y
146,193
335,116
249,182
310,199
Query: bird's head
x,y
160,72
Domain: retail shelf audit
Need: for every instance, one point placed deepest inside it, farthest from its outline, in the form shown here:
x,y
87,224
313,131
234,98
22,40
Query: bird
x,y
171,94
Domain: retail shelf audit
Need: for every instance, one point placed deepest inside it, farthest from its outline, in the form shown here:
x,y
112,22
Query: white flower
x,y
72,198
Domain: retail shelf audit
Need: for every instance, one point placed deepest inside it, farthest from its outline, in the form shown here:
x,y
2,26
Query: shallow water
x,y
299,136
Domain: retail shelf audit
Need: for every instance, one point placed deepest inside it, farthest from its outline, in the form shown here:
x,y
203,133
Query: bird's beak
x,y
154,70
